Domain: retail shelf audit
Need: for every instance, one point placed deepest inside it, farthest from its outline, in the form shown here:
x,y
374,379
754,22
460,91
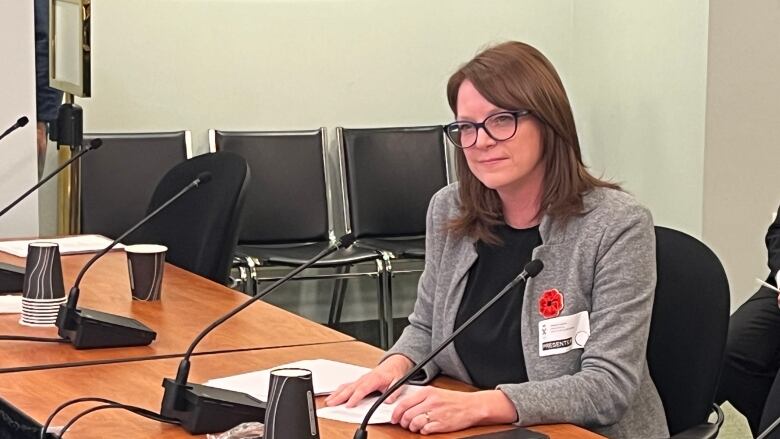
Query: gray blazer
x,y
603,262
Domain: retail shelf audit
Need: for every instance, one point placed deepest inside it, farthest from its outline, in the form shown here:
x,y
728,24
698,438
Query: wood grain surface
x,y
188,304
37,393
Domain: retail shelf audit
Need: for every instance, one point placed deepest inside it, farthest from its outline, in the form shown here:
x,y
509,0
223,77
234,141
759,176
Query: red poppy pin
x,y
551,303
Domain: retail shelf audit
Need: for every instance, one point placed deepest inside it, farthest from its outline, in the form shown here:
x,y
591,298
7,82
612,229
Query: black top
x,y
491,348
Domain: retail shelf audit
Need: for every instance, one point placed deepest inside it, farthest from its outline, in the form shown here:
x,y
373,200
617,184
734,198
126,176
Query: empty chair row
x,y
385,179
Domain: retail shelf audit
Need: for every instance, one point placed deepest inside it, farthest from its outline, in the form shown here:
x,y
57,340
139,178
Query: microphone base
x,y
11,278
203,409
89,329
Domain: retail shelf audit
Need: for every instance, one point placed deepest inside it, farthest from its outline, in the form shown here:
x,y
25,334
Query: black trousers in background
x,y
752,361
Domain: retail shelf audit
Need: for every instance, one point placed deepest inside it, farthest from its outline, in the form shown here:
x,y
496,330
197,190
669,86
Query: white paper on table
x,y
327,375
356,414
11,304
69,245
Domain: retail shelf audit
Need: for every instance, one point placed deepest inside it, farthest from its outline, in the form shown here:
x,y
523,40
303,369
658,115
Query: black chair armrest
x,y
704,431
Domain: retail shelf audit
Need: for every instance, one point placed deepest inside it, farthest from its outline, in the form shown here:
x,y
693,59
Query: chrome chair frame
x,y
387,330
250,267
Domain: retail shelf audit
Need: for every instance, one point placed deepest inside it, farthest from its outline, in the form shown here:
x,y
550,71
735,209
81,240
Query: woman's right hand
x,y
378,380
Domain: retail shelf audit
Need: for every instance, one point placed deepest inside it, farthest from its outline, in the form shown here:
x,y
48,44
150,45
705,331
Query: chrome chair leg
x,y
388,292
239,282
337,297
381,315
245,266
252,285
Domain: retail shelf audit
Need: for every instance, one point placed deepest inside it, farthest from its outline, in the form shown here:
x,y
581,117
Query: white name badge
x,y
563,334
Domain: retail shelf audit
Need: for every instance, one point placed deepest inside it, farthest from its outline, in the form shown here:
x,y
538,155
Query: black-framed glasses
x,y
499,126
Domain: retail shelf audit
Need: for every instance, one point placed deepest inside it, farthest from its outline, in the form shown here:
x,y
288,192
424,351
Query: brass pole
x,y
63,194
68,199
75,194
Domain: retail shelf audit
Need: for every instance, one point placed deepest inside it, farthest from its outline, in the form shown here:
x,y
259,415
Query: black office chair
x,y
287,218
118,180
688,333
391,175
200,229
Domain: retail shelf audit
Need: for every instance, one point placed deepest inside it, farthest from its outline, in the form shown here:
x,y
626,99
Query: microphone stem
x,y
131,230
519,278
8,131
44,180
769,429
332,248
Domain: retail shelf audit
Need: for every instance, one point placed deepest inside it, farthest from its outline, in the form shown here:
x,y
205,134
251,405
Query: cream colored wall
x,y
742,160
172,64
18,159
639,91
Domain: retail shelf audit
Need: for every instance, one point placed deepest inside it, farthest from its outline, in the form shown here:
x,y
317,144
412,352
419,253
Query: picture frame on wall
x,y
69,50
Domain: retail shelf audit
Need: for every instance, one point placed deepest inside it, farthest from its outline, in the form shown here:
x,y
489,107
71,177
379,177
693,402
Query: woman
x,y
524,193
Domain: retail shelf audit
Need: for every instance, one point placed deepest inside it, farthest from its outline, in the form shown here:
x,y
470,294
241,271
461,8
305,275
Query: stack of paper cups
x,y
43,291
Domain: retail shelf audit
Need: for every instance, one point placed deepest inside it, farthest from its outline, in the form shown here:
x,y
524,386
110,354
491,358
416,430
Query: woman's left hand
x,y
433,410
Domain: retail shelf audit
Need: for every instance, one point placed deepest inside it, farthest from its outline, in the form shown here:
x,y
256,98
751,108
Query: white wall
x,y
294,64
742,161
638,83
18,159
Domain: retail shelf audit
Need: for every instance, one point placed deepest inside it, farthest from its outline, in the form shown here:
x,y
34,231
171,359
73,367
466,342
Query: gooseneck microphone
x,y
530,270
87,328
12,277
22,121
203,409
93,145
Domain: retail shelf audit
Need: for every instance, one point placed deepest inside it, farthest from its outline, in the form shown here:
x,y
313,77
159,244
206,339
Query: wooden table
x,y
189,303
37,393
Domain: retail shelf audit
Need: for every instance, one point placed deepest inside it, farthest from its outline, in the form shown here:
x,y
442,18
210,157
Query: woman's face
x,y
507,166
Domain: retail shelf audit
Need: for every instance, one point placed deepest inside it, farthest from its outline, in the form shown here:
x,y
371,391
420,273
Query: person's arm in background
x,y
773,251
47,99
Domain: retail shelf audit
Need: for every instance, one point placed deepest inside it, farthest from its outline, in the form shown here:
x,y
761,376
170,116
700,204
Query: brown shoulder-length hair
x,y
516,76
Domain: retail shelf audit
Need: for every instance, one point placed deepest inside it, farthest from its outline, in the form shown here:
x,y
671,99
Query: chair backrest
x,y
391,175
117,180
287,199
688,328
200,229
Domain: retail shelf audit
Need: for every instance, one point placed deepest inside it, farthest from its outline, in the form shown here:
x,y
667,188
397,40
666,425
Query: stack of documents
x,y
11,304
327,375
356,414
68,245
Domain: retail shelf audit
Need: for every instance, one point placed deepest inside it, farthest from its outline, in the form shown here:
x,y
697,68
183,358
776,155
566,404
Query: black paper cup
x,y
43,272
42,290
145,264
291,413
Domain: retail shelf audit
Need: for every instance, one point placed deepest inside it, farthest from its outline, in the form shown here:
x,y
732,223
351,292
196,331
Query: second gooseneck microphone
x,y
12,277
530,270
87,328
203,409
93,145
